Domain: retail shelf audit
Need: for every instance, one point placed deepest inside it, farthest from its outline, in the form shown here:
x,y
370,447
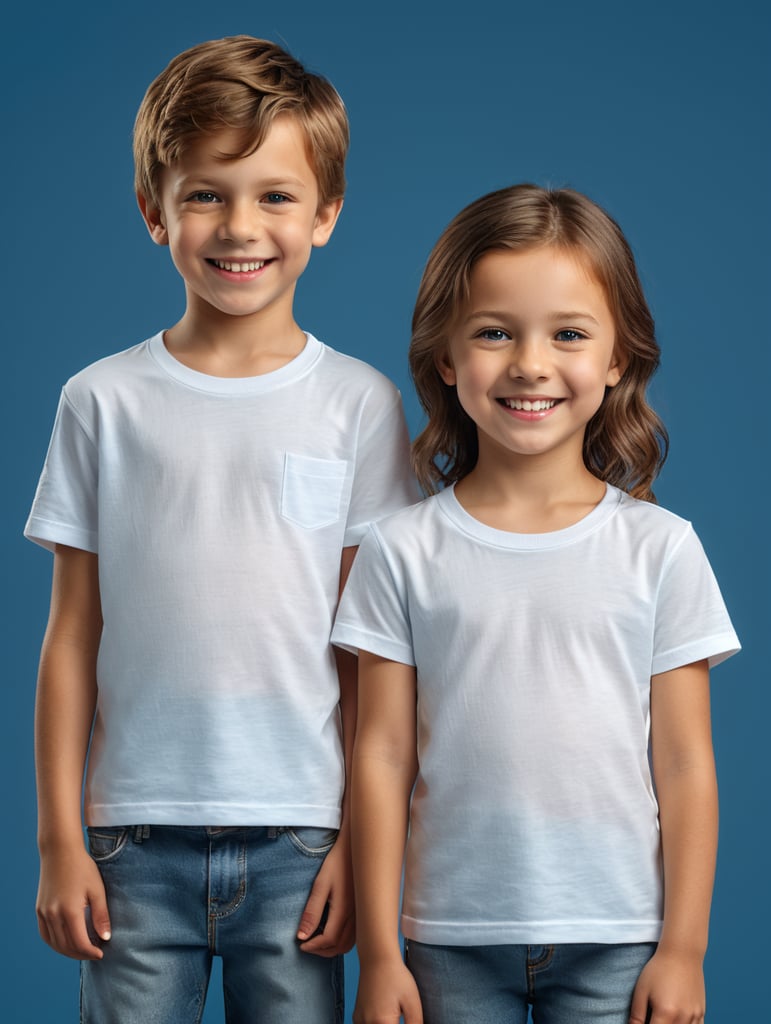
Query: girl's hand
x,y
333,887
387,994
70,884
671,987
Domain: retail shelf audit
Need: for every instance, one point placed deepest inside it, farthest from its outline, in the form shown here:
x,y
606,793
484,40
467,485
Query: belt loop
x,y
141,832
272,832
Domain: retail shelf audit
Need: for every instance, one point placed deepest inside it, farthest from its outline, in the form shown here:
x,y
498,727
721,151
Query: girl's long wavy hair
x,y
625,442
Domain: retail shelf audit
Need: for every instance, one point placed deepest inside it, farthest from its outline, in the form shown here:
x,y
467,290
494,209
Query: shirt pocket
x,y
312,490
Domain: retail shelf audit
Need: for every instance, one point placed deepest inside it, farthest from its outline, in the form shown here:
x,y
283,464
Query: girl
x,y
523,634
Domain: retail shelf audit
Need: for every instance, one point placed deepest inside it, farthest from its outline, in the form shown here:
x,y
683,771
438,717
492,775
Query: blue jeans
x,y
567,984
179,896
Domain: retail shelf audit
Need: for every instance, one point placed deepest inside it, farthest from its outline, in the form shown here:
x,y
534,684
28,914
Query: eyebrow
x,y
279,182
559,315
209,181
574,314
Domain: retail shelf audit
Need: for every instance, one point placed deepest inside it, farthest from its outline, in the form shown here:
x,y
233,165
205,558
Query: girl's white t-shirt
x,y
534,816
219,508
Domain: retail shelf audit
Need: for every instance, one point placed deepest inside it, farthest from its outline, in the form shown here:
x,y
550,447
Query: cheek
x,y
590,379
297,230
185,237
472,383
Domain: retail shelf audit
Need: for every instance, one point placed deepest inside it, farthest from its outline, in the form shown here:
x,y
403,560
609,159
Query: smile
x,y
529,404
238,268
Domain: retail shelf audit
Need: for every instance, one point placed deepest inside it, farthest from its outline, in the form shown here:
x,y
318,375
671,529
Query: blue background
x,y
658,111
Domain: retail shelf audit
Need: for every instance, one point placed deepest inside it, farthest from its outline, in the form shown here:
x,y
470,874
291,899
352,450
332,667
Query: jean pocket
x,y
312,841
312,490
106,843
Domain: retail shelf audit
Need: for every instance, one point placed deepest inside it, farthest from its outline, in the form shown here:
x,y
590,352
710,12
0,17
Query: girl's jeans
x,y
179,896
567,984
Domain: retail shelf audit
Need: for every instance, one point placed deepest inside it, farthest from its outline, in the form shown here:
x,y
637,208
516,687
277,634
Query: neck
x,y
529,495
234,346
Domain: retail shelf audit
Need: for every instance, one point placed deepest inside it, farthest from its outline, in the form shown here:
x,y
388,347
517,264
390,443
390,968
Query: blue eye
x,y
204,197
570,335
276,198
493,334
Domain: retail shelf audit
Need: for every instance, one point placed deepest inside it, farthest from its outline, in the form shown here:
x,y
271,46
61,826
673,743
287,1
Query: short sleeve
x,y
383,480
692,622
372,615
64,510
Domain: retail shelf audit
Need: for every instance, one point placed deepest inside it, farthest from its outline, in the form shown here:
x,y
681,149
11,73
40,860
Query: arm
x,y
66,697
671,986
384,769
334,882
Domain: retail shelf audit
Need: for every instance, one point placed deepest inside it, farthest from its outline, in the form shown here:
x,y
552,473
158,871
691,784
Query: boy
x,y
204,493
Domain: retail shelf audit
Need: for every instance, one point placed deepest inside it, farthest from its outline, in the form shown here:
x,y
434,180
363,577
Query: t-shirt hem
x,y
445,933
212,814
355,534
352,639
715,649
48,534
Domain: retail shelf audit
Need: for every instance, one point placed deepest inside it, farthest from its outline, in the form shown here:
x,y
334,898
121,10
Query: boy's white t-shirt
x,y
534,817
219,508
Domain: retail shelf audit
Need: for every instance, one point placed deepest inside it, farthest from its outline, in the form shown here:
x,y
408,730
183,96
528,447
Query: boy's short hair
x,y
240,83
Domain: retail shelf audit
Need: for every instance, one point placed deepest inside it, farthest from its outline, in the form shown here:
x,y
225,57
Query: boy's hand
x,y
386,995
671,988
333,887
70,884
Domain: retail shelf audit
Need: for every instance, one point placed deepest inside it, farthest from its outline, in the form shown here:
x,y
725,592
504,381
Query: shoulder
x,y
410,528
646,519
116,369
356,372
399,546
656,537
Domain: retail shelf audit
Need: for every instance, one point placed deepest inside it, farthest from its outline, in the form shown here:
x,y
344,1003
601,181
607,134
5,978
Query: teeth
x,y
239,268
526,405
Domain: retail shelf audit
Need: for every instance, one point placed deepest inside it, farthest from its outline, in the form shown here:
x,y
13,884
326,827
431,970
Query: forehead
x,y
283,151
544,277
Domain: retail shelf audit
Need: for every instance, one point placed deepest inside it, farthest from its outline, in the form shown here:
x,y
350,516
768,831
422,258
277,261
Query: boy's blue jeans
x,y
566,984
179,896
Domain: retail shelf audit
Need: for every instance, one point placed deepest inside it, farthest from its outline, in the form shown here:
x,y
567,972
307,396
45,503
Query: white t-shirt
x,y
219,508
534,818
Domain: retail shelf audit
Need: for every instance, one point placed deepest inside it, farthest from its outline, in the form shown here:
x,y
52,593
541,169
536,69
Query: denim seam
x,y
214,916
535,965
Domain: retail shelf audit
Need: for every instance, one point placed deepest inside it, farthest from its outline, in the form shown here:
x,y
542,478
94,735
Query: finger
x,y
56,934
337,935
326,951
66,939
321,945
80,943
100,917
333,920
312,914
413,1013
42,927
73,934
638,1013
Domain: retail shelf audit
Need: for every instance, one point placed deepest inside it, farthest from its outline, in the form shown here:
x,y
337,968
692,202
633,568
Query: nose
x,y
240,222
529,360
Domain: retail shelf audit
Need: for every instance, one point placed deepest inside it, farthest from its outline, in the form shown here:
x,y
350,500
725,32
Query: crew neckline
x,y
260,384
464,521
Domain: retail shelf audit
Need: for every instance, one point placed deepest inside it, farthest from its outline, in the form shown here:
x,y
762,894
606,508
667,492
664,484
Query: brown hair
x,y
241,83
625,442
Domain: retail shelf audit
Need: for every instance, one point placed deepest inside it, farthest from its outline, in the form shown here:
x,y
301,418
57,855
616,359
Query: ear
x,y
617,368
326,219
153,218
443,363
